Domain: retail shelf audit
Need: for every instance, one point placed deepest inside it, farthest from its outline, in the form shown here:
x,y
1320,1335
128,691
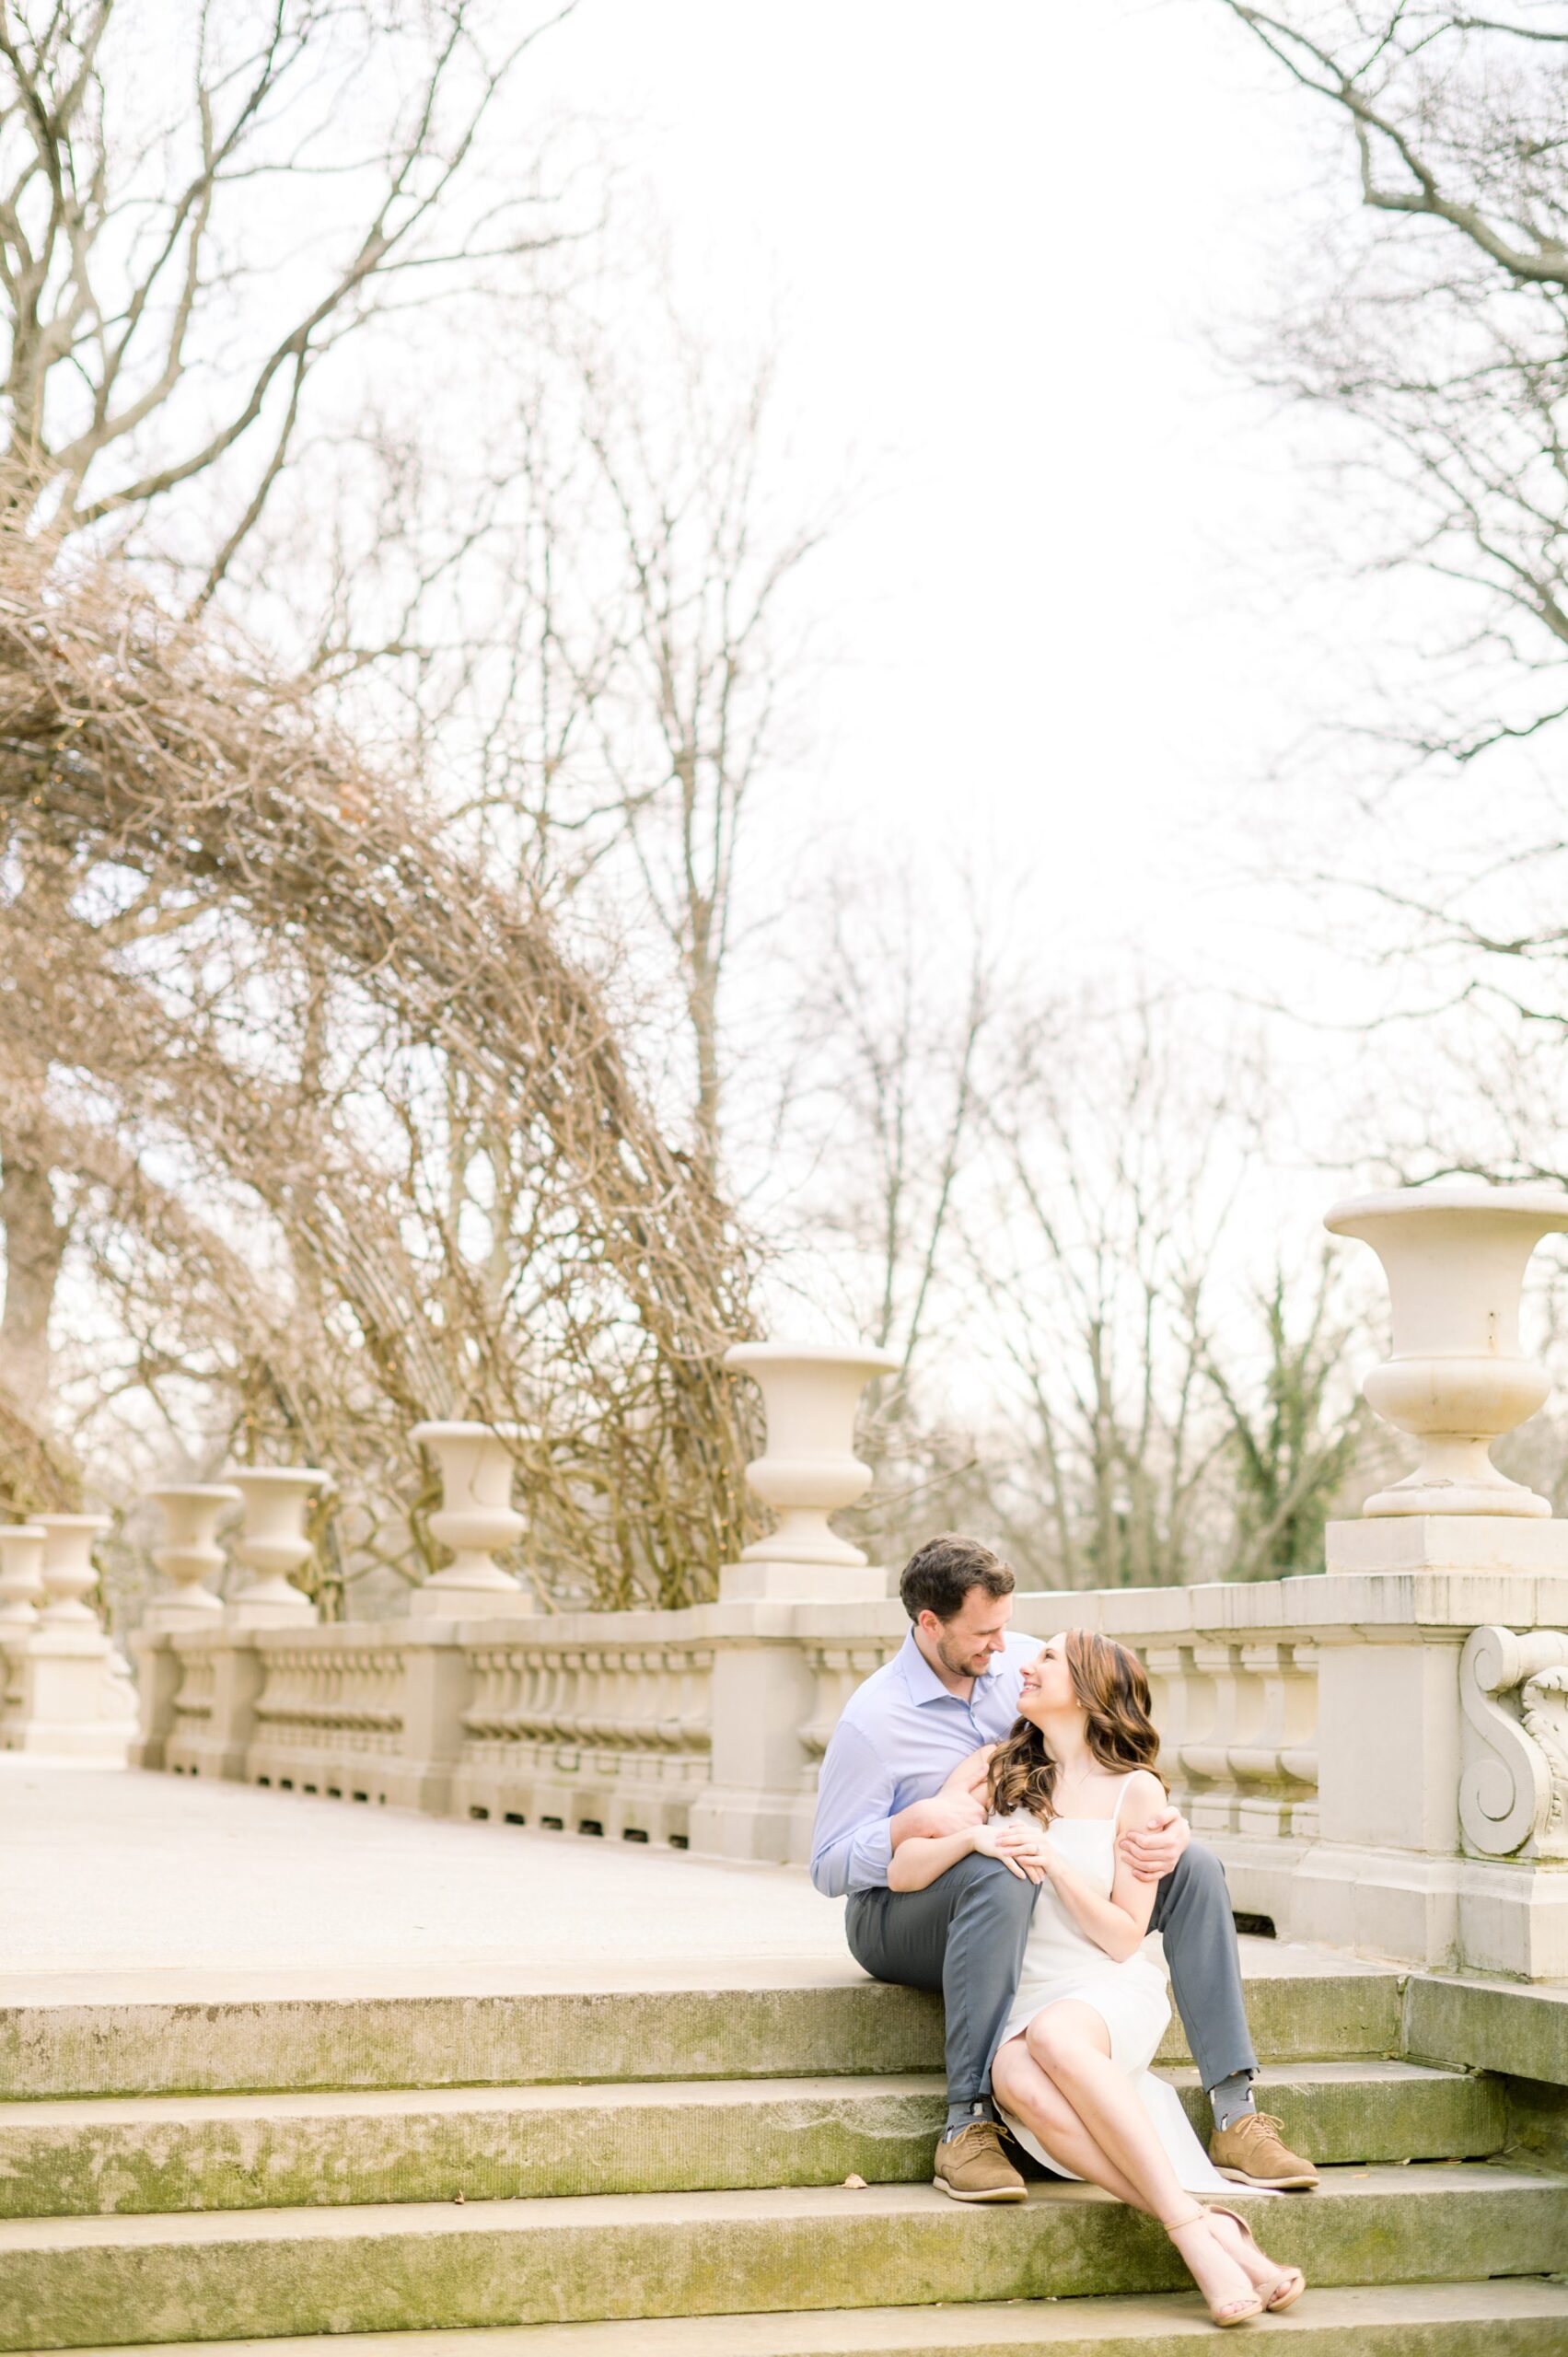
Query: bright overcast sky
x,y
997,239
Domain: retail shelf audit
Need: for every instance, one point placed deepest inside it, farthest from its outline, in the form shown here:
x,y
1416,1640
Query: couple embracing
x,y
992,1810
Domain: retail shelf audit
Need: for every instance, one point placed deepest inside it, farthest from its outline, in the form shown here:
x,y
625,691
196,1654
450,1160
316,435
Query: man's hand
x,y
961,1801
960,1804
1154,1848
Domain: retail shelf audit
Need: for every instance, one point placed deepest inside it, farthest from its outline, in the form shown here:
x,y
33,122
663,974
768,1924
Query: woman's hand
x,y
1021,1848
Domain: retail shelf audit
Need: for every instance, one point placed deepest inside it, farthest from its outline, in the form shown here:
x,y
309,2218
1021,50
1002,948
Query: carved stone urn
x,y
1455,1254
476,1464
21,1577
190,1555
811,1394
272,1543
69,1572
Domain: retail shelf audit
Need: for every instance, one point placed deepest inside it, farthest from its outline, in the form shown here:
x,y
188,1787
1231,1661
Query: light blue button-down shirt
x,y
901,1737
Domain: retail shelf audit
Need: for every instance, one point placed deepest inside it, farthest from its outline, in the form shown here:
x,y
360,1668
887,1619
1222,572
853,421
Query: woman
x,y
1071,2072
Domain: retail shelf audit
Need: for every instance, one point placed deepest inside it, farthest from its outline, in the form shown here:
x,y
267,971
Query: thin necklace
x,y
1078,1782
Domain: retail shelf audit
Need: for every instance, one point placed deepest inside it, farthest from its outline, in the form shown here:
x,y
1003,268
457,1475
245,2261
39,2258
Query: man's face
x,y
966,1643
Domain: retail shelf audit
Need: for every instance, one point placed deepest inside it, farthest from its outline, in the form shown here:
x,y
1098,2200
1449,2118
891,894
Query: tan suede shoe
x,y
1252,2151
973,2166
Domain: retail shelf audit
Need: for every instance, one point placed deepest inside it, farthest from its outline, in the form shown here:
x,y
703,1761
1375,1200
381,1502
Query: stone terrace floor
x,y
127,1886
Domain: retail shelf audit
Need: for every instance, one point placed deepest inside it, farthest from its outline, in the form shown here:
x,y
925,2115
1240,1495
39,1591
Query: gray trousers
x,y
965,1934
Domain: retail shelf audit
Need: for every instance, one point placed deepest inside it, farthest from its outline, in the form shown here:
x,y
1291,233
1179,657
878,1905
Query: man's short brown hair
x,y
940,1574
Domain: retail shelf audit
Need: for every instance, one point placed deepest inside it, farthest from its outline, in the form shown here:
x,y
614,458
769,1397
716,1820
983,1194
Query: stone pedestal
x,y
71,1699
1512,1546
438,1682
763,1697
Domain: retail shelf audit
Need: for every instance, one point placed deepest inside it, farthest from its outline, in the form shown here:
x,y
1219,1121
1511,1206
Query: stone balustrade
x,y
1372,1761
1380,1756
589,1729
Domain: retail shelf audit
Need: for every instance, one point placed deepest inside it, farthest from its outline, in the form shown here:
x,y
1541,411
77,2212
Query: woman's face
x,y
1046,1688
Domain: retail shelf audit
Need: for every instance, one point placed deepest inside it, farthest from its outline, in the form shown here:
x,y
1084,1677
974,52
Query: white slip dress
x,y
1132,1997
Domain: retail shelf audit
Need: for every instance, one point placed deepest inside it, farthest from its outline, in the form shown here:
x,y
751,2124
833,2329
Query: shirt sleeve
x,y
851,1840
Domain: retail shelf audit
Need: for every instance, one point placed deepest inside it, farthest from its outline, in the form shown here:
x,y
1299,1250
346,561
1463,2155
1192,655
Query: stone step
x,y
852,2027
76,2282
175,2153
1519,2316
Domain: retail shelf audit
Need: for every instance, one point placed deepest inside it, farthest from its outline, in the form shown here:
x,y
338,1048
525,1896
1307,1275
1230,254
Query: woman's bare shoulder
x,y
1142,1795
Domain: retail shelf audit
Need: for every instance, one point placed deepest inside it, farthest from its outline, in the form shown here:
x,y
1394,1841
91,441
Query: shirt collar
x,y
923,1684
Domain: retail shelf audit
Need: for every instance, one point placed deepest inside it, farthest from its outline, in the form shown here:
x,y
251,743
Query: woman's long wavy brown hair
x,y
1111,1687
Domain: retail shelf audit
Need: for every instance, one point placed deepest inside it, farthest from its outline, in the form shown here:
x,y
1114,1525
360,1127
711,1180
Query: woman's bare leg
x,y
1072,2045
1264,2274
1021,2087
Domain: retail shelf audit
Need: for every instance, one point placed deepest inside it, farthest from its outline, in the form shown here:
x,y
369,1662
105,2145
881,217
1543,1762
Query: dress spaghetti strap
x,y
1116,1818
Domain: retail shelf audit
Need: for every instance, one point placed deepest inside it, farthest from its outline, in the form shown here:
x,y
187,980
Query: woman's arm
x,y
919,1859
1118,1924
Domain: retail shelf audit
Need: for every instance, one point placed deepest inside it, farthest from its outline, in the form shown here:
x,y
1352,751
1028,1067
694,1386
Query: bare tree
x,y
152,336
889,996
1115,1173
1297,1430
1161,1416
194,220
429,1181
590,609
1430,335
900,1000
1425,329
639,678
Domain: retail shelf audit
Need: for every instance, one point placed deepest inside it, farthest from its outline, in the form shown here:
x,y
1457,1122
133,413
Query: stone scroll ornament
x,y
1516,1796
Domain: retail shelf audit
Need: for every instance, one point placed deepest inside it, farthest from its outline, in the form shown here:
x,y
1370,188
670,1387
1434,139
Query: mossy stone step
x,y
1487,2025
175,2153
76,2282
1517,2316
852,2027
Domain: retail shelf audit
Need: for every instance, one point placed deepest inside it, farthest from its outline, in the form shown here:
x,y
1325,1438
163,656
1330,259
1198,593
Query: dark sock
x,y
964,2115
1232,2099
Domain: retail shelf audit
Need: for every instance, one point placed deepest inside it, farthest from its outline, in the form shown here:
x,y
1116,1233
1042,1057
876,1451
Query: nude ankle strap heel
x,y
1233,2311
1289,2283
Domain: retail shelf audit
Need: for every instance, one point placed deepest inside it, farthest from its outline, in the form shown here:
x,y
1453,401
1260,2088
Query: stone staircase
x,y
609,2174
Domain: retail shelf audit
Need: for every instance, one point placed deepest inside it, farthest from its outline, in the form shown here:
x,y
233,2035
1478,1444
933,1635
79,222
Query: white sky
x,y
997,239
999,243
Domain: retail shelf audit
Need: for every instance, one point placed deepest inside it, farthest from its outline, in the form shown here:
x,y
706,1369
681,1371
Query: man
x,y
901,1762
